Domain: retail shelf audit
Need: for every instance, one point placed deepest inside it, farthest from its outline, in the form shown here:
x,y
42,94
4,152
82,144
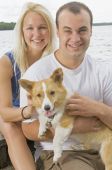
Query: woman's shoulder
x,y
10,56
39,67
5,66
41,63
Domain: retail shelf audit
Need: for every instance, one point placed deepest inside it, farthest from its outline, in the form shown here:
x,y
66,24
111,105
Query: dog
x,y
49,98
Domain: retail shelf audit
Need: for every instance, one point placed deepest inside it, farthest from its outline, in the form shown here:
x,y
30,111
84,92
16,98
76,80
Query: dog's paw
x,y
54,123
48,125
42,130
40,135
56,158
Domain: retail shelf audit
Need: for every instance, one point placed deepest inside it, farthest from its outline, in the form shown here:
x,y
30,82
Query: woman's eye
x,y
30,28
43,28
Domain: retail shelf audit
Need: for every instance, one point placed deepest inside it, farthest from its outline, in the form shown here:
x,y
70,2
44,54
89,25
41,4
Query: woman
x,y
34,38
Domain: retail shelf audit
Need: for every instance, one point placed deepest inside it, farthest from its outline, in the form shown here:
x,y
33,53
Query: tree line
x,y
102,23
7,26
11,25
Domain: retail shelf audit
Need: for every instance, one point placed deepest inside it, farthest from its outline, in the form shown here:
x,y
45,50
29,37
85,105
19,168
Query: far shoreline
x,y
102,24
5,26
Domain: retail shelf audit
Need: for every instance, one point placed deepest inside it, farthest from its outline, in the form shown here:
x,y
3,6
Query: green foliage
x,y
11,25
7,26
102,24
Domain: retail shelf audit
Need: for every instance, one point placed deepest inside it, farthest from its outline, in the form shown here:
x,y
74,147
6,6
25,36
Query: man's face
x,y
74,32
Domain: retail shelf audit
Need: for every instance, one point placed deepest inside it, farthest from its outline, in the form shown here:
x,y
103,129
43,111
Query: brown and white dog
x,y
49,98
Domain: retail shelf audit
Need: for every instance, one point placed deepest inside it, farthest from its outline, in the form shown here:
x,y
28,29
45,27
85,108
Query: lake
x,y
100,46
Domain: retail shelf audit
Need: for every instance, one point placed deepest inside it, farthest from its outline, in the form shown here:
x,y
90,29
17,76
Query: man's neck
x,y
68,62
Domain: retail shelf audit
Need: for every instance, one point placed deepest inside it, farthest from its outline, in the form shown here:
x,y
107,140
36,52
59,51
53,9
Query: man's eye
x,y
82,30
68,31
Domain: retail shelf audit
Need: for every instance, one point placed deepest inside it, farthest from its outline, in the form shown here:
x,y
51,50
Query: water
x,y
100,46
101,42
6,41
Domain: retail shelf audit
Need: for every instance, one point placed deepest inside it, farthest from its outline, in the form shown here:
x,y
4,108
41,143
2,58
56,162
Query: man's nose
x,y
75,36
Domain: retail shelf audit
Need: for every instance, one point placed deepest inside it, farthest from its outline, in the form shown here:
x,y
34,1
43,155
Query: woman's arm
x,y
30,131
7,111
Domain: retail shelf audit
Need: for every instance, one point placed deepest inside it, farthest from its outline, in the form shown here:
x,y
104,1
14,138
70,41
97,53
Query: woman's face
x,y
35,32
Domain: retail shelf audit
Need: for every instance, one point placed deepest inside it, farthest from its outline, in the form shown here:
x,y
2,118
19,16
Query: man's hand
x,y
86,111
83,106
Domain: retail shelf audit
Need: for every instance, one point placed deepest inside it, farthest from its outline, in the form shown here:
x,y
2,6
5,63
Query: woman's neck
x,y
33,56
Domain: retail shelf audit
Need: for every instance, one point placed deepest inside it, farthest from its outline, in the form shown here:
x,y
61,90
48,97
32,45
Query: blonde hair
x,y
20,49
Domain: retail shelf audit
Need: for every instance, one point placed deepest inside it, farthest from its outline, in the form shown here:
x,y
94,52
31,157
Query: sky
x,y
10,9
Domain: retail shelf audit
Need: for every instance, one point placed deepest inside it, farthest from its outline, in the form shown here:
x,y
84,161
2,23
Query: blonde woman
x,y
34,34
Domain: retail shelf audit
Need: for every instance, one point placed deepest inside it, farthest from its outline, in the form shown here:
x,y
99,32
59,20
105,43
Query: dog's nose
x,y
47,107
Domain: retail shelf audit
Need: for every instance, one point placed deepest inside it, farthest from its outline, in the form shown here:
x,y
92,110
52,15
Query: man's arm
x,y
86,107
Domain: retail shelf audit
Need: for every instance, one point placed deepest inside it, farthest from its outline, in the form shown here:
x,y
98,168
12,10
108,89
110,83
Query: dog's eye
x,y
39,95
52,92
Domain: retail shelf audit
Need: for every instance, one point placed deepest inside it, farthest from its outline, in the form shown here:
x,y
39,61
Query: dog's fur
x,y
49,97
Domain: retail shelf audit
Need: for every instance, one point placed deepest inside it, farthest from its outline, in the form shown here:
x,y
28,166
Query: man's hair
x,y
74,7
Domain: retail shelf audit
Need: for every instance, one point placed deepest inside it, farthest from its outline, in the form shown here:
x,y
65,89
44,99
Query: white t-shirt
x,y
93,78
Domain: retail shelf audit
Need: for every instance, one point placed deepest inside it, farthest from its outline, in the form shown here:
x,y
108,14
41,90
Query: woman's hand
x,y
29,110
30,131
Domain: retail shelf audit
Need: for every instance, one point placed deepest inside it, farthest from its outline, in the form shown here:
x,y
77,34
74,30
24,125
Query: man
x,y
82,74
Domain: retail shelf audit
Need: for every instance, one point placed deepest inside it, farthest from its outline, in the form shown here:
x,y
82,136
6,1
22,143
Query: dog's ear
x,y
26,84
57,75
